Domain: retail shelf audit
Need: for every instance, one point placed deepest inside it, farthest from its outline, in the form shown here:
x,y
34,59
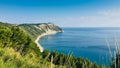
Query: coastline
x,y
49,32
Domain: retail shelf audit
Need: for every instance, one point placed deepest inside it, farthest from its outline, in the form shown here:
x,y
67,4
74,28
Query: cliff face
x,y
35,30
49,26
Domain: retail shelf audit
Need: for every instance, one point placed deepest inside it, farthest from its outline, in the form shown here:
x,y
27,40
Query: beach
x,y
49,32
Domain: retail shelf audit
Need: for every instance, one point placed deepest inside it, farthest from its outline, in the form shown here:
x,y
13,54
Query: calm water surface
x,y
89,43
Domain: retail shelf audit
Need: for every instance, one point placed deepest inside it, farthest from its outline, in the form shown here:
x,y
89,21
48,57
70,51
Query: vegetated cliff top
x,y
35,30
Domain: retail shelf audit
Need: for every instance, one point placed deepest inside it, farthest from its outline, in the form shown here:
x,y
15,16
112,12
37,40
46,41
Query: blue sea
x,y
88,43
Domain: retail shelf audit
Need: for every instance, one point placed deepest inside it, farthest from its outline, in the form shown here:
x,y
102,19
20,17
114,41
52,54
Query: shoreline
x,y
49,32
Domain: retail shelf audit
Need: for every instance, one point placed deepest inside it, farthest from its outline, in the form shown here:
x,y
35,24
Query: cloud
x,y
112,12
103,18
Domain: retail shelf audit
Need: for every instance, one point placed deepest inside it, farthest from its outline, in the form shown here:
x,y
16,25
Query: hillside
x,y
18,49
34,30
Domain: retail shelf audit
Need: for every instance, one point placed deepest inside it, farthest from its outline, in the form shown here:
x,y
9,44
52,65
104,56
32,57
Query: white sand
x,y
47,33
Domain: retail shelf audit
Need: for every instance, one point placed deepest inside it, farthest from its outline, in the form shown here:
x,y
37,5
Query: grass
x,y
9,58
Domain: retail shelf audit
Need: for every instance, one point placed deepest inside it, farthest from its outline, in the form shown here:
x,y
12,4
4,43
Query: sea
x,y
96,44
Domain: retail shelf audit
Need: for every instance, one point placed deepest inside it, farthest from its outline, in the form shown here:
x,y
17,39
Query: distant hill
x,y
35,30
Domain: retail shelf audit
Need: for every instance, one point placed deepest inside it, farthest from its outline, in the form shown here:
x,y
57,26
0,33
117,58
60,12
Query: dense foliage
x,y
17,49
16,38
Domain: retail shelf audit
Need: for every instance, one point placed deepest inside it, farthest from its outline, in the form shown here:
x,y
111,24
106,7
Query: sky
x,y
64,13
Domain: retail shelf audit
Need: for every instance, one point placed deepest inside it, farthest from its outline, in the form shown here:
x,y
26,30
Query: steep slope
x,y
34,30
17,48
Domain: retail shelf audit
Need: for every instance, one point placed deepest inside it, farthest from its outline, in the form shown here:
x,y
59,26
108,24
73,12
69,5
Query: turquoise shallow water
x,y
88,43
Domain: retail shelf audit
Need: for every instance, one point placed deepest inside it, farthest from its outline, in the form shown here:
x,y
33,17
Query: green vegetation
x,y
33,33
18,50
34,30
69,61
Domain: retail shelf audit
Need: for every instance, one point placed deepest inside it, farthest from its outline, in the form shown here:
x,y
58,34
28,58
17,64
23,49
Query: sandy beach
x,y
49,32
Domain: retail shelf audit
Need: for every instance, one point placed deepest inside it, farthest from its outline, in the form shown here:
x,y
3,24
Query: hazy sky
x,y
65,13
